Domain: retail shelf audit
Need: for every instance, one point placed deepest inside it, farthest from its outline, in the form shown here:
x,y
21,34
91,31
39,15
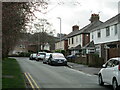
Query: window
x,y
115,28
80,38
115,63
72,40
109,64
92,36
112,63
107,31
69,40
76,39
99,33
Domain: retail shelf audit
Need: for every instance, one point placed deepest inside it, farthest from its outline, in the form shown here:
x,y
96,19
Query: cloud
x,y
78,12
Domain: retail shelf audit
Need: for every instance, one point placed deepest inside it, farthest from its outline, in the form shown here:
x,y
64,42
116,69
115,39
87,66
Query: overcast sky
x,y
78,12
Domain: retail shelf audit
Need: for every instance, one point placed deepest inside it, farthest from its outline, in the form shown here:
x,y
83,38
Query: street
x,y
46,76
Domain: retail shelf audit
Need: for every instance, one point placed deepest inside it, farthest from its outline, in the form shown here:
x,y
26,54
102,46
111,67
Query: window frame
x,y
72,40
107,31
116,29
99,33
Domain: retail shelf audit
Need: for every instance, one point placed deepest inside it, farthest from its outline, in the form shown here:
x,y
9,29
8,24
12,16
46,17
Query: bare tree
x,y
15,16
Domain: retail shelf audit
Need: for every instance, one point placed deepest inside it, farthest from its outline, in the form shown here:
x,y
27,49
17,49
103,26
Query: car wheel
x,y
100,80
115,84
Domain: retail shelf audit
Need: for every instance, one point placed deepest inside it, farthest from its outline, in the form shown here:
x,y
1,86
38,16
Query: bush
x,y
24,54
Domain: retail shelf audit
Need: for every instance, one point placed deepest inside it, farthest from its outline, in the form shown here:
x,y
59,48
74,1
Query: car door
x,y
115,70
49,59
107,71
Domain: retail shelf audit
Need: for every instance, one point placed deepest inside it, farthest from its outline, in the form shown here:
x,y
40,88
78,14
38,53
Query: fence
x,y
92,60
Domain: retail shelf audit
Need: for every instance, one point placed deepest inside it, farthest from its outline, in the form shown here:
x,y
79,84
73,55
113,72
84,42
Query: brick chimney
x,y
94,17
75,27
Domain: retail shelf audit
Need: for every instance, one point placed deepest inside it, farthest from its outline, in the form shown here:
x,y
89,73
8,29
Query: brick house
x,y
78,39
62,45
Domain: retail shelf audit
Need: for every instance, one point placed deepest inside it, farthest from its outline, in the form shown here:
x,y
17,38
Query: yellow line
x,y
29,81
34,81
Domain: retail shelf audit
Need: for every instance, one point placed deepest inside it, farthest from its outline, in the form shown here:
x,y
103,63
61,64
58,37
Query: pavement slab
x,y
84,68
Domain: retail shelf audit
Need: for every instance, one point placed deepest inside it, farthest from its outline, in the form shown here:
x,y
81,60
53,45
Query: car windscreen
x,y
58,56
42,53
48,55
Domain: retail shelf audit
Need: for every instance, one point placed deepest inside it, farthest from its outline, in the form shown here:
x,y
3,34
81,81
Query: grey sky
x,y
77,12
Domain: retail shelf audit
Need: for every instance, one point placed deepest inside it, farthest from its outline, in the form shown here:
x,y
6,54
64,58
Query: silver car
x,y
57,59
40,56
33,56
47,56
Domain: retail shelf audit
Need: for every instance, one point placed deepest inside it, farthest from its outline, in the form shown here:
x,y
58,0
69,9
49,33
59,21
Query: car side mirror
x,y
104,65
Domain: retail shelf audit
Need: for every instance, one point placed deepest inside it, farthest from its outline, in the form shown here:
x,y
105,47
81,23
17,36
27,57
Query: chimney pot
x,y
94,17
75,27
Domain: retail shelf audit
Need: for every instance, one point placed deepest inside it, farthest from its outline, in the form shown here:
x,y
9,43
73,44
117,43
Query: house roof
x,y
89,45
78,47
85,29
113,20
63,38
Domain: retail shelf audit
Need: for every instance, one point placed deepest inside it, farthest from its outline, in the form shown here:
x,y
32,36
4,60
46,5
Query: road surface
x,y
45,76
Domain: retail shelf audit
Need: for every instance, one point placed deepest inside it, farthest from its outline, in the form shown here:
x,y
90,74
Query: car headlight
x,y
65,59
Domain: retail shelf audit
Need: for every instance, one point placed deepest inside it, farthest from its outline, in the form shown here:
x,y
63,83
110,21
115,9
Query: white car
x,y
33,56
110,73
47,56
40,56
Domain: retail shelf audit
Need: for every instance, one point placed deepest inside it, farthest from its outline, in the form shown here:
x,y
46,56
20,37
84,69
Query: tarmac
x,y
84,68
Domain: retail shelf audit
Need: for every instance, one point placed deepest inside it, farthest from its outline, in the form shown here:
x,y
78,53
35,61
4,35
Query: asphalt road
x,y
46,76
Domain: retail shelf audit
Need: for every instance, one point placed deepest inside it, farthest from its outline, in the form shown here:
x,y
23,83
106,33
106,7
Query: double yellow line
x,y
31,81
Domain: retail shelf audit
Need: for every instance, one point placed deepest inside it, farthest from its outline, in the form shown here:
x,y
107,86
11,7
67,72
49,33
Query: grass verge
x,y
12,76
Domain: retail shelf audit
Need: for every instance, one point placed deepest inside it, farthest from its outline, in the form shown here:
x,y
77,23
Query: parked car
x,y
40,56
57,59
71,57
110,73
47,56
33,56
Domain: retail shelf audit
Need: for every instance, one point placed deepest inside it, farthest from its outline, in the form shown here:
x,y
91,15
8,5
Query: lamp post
x,y
60,32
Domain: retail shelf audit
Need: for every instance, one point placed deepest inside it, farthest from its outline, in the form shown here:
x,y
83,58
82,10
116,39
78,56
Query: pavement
x,y
84,68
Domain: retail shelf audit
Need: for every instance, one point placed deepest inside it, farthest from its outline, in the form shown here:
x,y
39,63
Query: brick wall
x,y
86,39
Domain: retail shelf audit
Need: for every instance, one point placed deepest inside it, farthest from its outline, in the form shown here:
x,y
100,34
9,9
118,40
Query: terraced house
x,y
78,39
102,38
106,38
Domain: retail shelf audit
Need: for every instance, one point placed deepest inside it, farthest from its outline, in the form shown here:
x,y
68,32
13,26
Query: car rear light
x,y
38,54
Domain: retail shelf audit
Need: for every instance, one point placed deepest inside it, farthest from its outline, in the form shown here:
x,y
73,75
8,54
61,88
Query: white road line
x,y
81,72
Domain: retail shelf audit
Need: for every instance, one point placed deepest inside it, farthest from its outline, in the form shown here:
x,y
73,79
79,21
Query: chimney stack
x,y
94,17
75,27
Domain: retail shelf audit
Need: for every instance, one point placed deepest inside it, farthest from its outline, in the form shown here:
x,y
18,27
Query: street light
x,y
60,32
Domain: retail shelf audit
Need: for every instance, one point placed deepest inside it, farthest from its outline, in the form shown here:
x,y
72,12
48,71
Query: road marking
x,y
32,81
29,81
81,72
